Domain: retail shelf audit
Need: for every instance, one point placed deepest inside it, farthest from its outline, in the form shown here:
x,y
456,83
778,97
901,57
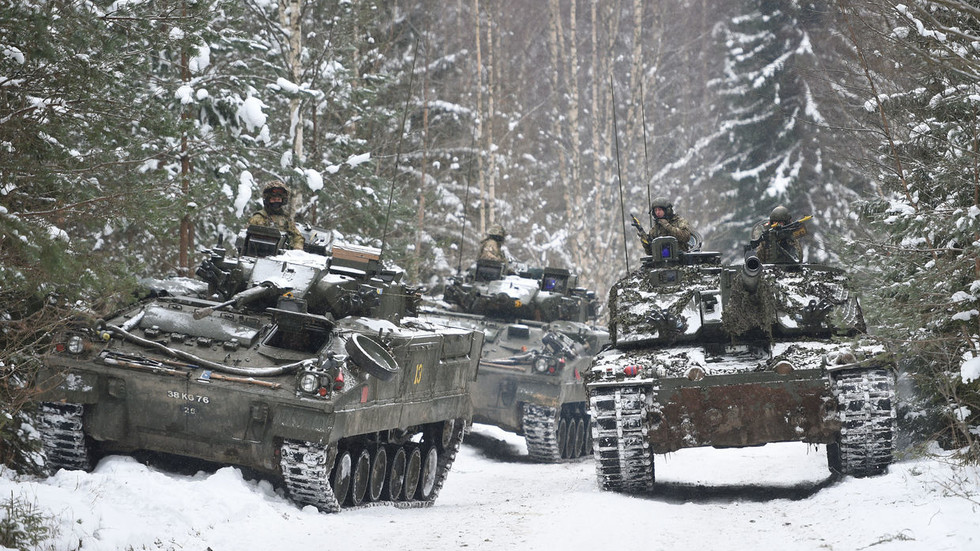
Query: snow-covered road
x,y
778,496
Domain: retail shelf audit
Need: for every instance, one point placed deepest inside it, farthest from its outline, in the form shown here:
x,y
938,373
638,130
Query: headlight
x,y
308,382
541,365
76,345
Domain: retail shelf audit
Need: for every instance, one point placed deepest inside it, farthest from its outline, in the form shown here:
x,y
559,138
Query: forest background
x,y
134,134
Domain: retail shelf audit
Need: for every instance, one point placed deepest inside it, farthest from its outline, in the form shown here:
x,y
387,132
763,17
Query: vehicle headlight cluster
x,y
541,364
72,343
548,365
321,381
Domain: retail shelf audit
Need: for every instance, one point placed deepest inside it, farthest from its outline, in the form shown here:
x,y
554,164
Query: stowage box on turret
x,y
540,337
705,354
296,365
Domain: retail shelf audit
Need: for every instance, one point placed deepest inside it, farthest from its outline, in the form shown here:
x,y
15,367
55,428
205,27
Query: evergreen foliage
x,y
132,134
780,142
921,252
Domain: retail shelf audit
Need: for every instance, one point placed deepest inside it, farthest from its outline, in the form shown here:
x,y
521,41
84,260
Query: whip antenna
x,y
398,149
462,224
619,173
646,157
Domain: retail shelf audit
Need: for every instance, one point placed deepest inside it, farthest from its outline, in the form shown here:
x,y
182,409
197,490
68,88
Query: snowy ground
x,y
778,496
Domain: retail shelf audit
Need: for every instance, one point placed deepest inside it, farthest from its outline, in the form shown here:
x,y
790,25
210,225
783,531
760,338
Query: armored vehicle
x,y
539,340
294,364
705,354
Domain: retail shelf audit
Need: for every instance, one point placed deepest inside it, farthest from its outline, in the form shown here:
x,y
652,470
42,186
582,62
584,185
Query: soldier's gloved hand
x,y
663,222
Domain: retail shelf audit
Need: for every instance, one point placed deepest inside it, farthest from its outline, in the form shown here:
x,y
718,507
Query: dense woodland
x,y
135,134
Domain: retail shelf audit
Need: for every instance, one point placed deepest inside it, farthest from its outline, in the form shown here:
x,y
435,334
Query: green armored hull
x,y
538,344
295,364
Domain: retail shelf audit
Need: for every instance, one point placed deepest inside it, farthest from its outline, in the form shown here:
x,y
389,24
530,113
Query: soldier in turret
x,y
779,240
490,246
667,222
275,196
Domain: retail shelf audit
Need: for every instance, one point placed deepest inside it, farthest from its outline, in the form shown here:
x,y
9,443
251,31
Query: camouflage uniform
x,y
777,251
282,222
674,226
490,250
274,198
490,246
781,247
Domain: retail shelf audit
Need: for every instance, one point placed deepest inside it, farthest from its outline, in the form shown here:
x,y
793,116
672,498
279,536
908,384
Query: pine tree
x,y
780,141
921,252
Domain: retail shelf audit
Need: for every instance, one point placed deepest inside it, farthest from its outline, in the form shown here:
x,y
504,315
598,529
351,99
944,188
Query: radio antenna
x,y
398,149
646,157
619,173
462,224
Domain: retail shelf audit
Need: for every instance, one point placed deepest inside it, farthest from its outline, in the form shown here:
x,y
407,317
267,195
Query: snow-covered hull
x,y
733,356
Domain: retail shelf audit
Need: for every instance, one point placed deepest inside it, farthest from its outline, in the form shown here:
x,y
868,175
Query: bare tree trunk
x,y
425,161
491,83
290,17
556,47
186,239
479,118
606,234
577,222
634,123
595,230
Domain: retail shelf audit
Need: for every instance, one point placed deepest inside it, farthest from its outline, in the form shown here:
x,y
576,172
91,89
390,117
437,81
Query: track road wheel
x,y
396,475
379,469
413,470
341,476
561,436
444,434
361,477
587,447
576,438
427,479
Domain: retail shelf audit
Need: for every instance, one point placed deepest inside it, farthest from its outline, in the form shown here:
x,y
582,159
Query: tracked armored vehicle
x,y
540,337
294,364
705,354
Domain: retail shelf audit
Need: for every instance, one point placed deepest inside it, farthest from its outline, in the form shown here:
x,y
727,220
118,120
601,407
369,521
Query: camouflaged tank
x,y
291,363
539,340
705,354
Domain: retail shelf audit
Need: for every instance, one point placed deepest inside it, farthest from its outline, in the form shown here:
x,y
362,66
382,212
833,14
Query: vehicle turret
x,y
540,334
708,354
547,294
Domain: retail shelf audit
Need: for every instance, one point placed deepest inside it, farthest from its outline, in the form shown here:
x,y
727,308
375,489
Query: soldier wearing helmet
x,y
666,222
490,246
779,240
275,197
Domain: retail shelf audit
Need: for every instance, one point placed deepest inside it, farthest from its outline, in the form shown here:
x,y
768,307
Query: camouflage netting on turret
x,y
807,299
750,310
642,306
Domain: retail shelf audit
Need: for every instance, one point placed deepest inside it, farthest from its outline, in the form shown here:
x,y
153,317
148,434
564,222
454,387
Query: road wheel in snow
x,y
340,479
379,468
413,469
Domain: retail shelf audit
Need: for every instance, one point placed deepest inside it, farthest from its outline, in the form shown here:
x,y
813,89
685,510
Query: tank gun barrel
x,y
240,299
751,273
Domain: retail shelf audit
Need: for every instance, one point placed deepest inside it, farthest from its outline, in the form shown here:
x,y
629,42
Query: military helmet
x,y
496,231
779,214
664,203
275,187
